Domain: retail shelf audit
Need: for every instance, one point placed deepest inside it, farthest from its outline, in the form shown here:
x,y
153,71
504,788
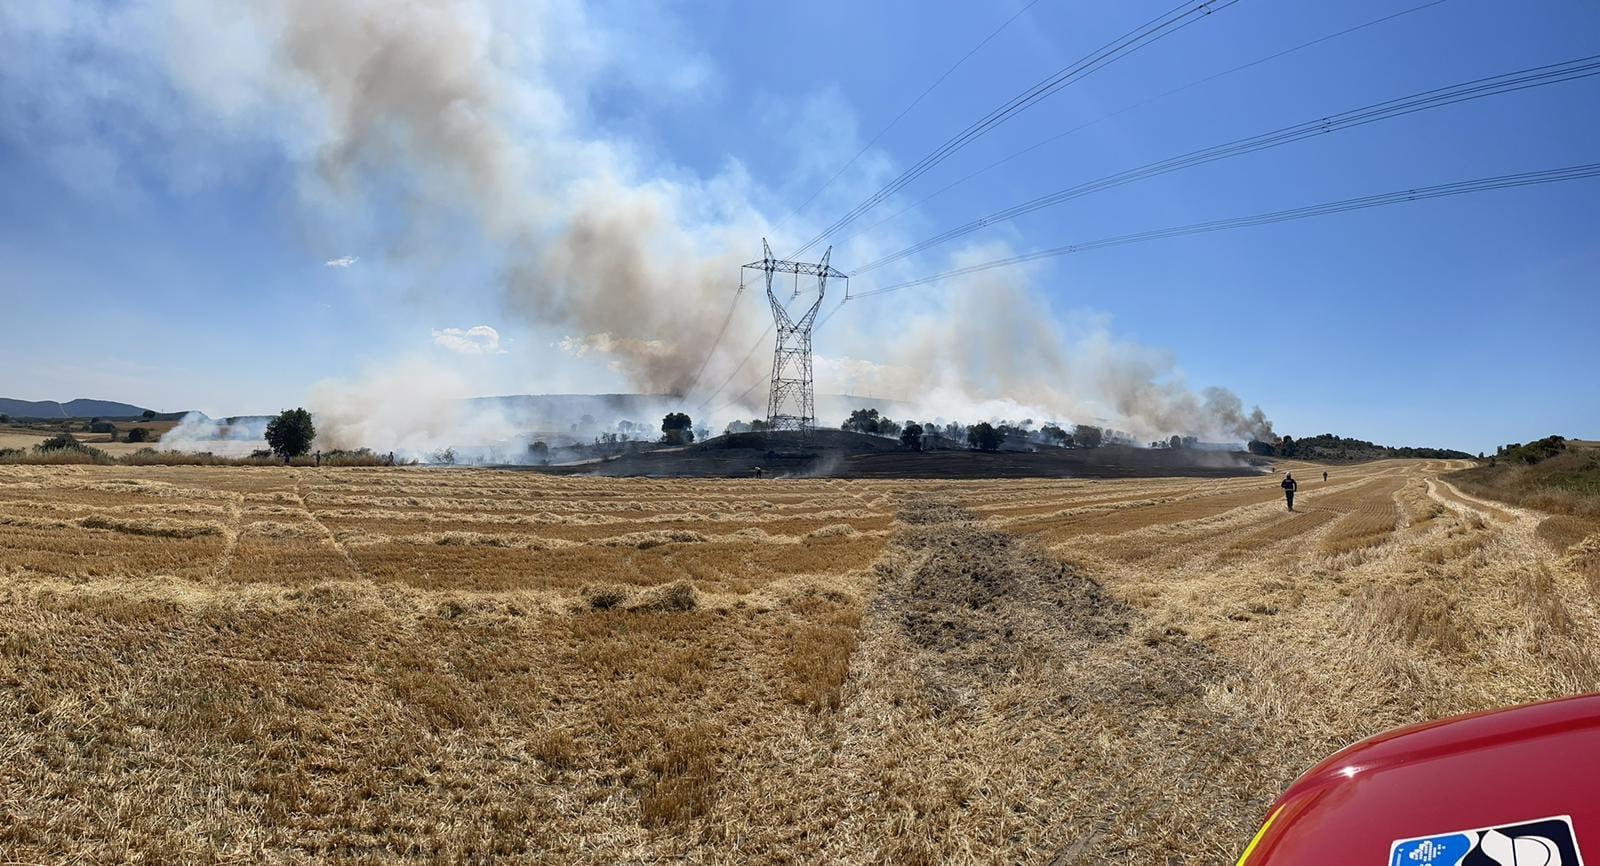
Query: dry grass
x,y
386,664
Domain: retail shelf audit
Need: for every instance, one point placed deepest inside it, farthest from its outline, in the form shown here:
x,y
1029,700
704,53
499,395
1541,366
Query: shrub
x,y
138,434
359,457
1536,451
60,442
62,450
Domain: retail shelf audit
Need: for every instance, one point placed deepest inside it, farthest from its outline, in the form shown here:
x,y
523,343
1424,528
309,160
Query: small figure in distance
x,y
1289,485
1324,475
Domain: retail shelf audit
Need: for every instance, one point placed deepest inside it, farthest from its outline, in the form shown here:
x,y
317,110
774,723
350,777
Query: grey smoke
x,y
429,104
197,432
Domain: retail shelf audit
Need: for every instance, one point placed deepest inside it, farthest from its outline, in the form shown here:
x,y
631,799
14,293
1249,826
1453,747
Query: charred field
x,y
839,454
387,664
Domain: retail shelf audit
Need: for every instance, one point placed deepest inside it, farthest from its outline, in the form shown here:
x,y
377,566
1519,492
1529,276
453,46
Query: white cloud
x,y
341,262
476,340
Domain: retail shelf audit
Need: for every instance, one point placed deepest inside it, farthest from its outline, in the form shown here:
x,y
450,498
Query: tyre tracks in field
x,y
328,534
1148,726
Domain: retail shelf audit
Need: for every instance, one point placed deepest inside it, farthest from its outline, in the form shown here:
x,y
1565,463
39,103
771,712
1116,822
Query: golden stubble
x,y
390,664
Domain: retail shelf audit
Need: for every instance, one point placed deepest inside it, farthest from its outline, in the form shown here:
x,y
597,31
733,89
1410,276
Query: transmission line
x,y
1142,103
1493,85
1577,172
736,370
907,110
1505,181
733,304
1182,16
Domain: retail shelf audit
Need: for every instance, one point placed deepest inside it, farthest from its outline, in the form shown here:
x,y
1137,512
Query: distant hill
x,y
79,408
1340,449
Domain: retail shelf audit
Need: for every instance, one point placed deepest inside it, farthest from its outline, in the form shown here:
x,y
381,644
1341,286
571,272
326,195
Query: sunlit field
x,y
379,664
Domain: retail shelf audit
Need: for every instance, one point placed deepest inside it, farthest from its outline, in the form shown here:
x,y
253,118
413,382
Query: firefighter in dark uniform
x,y
1289,485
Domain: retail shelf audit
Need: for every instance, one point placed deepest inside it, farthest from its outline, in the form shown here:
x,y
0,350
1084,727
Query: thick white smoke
x,y
995,350
196,432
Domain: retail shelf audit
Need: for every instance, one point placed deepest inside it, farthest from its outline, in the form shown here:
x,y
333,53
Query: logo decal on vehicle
x,y
1543,842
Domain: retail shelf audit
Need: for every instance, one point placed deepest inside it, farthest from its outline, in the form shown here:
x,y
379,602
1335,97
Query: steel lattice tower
x,y
791,404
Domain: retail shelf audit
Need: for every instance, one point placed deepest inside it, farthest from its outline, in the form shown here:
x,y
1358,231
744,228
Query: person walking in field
x,y
1289,485
1324,476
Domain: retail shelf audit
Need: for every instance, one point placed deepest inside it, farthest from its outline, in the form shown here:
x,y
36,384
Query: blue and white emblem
x,y
1544,842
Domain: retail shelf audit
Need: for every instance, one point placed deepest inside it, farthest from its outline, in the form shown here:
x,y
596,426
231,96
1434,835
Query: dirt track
x,y
391,664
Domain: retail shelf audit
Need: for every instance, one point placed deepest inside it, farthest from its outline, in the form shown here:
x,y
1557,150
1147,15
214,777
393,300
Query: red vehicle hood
x,y
1475,789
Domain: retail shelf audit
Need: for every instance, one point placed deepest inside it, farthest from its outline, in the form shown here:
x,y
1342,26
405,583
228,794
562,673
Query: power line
x,y
1506,181
1179,17
907,110
1182,16
733,304
1493,85
736,370
722,332
1158,97
737,400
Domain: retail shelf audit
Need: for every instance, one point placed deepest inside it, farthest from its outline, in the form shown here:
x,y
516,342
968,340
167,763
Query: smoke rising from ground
x,y
196,432
421,89
995,338
438,107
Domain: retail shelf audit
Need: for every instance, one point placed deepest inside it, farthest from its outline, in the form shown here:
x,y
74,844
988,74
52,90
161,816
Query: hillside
x,y
79,408
842,454
1555,475
1328,448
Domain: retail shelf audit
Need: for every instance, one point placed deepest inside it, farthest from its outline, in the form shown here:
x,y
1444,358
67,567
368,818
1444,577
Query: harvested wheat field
x,y
269,664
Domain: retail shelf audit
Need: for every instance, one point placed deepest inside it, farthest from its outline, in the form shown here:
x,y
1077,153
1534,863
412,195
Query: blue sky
x,y
166,224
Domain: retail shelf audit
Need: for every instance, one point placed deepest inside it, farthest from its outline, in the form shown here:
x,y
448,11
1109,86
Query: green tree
x,y
677,429
138,434
1088,436
984,437
291,433
148,415
862,421
539,451
911,436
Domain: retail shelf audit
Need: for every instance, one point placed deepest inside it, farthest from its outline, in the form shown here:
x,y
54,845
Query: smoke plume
x,y
438,111
235,438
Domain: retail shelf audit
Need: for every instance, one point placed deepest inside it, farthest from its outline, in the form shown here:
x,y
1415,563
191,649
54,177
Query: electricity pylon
x,y
791,404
